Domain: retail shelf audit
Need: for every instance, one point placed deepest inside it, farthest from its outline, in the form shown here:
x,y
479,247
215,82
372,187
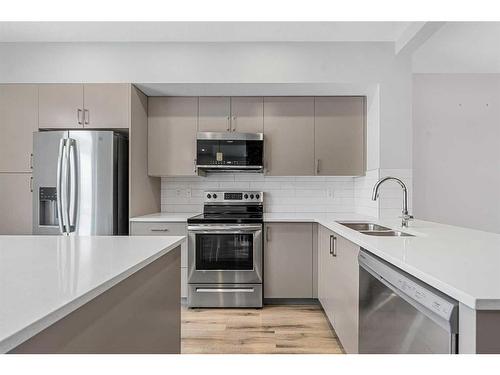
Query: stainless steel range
x,y
225,251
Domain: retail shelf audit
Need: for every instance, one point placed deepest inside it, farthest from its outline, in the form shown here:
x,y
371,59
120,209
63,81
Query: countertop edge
x,y
36,327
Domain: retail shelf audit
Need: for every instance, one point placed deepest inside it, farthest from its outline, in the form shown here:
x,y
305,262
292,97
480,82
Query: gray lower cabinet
x,y
165,229
15,203
338,284
288,254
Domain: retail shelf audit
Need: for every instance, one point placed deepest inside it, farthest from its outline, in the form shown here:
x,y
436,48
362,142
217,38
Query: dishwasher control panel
x,y
415,289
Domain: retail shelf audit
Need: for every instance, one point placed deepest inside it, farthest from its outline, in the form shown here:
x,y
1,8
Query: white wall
x,y
456,117
362,63
457,149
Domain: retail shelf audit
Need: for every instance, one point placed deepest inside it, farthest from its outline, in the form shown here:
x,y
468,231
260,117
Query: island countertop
x,y
44,278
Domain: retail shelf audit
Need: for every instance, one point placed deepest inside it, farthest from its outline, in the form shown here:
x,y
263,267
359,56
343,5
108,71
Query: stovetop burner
x,y
231,207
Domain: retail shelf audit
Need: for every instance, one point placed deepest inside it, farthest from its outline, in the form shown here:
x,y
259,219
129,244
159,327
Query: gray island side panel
x,y
140,314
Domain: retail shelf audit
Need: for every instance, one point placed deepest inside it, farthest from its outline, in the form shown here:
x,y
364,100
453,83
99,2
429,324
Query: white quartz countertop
x,y
44,278
460,262
165,217
463,263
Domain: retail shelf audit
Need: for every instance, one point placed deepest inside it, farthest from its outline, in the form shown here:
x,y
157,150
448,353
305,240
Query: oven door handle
x,y
224,229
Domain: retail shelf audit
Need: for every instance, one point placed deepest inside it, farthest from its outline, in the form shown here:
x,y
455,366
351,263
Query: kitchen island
x,y
90,294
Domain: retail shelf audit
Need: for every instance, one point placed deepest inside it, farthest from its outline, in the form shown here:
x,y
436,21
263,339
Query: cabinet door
x,y
289,136
16,203
165,229
106,105
18,121
214,114
172,123
339,136
60,106
288,260
247,114
323,254
345,291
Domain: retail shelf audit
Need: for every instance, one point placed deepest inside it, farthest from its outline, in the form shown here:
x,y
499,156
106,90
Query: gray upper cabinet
x,y
60,106
172,125
247,114
289,136
106,105
339,136
92,106
215,114
18,121
288,254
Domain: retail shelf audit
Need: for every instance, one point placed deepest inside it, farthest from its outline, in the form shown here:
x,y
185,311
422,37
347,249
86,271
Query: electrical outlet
x,y
330,193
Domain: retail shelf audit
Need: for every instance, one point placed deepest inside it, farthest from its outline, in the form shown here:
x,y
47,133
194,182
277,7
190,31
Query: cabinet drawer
x,y
162,229
158,229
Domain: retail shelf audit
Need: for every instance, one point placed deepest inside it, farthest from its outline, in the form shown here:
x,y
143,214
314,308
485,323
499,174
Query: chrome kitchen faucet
x,y
405,217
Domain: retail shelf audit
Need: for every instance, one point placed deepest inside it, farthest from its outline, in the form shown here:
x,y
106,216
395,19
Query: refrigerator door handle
x,y
59,185
65,188
73,185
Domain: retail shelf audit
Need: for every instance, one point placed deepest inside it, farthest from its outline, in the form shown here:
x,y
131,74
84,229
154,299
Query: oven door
x,y
229,253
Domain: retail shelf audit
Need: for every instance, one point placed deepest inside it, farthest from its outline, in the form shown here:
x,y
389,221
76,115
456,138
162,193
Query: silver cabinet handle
x,y
268,233
330,251
31,184
160,230
194,160
228,124
31,161
79,116
233,123
317,166
86,116
334,247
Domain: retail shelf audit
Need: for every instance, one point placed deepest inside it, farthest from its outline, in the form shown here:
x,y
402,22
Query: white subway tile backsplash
x,y
282,194
299,194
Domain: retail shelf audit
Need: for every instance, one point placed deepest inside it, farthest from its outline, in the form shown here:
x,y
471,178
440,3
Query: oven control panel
x,y
234,197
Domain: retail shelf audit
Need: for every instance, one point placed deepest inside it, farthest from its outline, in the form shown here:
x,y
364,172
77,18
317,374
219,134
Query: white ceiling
x,y
201,31
461,47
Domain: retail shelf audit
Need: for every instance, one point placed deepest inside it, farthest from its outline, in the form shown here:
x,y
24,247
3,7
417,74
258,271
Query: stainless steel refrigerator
x,y
80,182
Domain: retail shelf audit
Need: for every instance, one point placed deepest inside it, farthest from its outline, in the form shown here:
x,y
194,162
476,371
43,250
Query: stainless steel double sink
x,y
372,229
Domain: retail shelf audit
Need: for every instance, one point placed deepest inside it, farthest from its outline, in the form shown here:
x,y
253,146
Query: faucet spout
x,y
375,195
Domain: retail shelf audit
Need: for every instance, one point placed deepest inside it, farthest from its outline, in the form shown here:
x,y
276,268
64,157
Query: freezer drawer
x,y
400,314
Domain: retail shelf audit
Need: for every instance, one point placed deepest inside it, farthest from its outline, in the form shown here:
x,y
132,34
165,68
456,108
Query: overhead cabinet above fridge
x,y
80,183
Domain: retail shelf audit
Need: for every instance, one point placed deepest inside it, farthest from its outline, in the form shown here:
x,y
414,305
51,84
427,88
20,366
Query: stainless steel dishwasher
x,y
400,314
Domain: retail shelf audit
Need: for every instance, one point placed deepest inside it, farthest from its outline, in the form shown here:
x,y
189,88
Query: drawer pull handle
x,y
159,230
225,290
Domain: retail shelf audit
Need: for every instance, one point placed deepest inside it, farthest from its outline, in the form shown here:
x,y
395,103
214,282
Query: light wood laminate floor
x,y
273,329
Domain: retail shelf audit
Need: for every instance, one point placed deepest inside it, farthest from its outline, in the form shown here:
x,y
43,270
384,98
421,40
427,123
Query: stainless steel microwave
x,y
229,152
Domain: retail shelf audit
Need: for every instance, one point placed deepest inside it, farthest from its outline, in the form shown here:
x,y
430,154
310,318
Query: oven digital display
x,y
233,196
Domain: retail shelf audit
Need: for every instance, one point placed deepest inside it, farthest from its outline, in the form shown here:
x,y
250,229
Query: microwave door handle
x,y
59,205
